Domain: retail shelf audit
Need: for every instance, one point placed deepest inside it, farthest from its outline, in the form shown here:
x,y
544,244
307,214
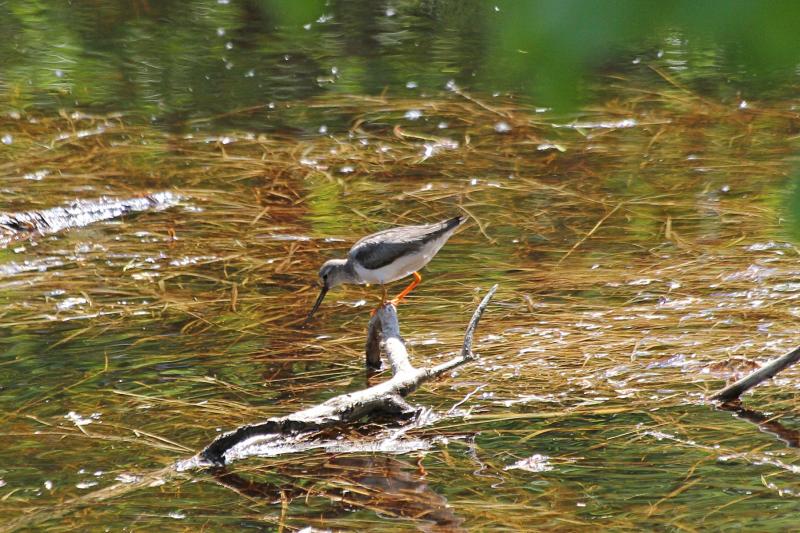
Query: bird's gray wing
x,y
382,248
376,254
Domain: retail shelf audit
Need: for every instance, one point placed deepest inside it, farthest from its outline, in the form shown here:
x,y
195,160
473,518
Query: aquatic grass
x,y
640,266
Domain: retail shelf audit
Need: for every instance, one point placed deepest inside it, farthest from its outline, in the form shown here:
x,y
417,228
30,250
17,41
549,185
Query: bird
x,y
387,256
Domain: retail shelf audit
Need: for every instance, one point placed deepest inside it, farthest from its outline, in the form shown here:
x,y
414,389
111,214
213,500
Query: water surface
x,y
642,244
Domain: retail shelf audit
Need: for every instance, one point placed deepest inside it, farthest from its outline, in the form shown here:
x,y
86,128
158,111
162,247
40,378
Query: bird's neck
x,y
349,272
343,273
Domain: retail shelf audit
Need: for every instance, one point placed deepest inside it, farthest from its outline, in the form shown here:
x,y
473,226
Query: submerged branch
x,y
16,226
386,397
733,391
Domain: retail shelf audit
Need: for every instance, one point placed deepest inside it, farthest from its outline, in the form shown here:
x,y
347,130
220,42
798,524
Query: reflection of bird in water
x,y
387,256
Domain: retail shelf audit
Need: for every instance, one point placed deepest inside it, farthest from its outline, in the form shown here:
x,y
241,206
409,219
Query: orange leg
x,y
399,298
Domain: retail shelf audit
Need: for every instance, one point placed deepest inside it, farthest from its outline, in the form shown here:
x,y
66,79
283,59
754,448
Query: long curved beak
x,y
321,296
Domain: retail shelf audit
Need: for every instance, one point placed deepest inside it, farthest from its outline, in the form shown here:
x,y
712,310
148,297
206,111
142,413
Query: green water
x,y
631,191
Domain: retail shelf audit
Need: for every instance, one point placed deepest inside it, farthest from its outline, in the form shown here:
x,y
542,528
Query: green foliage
x,y
548,45
292,13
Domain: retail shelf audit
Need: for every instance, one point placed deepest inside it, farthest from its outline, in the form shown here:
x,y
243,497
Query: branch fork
x,y
387,397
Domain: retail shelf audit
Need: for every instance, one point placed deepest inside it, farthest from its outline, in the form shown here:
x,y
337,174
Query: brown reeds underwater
x,y
643,258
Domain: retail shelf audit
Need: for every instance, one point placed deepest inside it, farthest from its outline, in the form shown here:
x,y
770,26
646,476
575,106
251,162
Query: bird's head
x,y
331,274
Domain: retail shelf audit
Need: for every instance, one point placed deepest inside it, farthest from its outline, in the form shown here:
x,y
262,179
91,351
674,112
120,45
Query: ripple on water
x,y
752,273
79,420
13,268
608,124
769,245
69,303
534,463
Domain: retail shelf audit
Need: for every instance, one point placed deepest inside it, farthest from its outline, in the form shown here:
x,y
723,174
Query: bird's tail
x,y
455,222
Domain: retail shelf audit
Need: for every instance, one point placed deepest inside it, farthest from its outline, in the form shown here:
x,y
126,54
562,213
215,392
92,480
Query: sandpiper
x,y
387,256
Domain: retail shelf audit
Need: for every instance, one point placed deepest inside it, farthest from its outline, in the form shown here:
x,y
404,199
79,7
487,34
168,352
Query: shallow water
x,y
642,245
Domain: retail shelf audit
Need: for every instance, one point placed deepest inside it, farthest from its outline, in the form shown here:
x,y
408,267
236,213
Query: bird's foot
x,y
384,304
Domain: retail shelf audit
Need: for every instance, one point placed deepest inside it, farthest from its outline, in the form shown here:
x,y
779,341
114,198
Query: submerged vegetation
x,y
642,243
641,259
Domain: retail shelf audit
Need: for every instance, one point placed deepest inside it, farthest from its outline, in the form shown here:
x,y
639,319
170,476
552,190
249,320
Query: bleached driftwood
x,y
386,397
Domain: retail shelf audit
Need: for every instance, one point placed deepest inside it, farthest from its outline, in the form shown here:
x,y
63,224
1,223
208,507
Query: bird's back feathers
x,y
384,247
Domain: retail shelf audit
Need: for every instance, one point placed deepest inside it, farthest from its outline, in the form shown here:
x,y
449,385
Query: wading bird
x,y
387,256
